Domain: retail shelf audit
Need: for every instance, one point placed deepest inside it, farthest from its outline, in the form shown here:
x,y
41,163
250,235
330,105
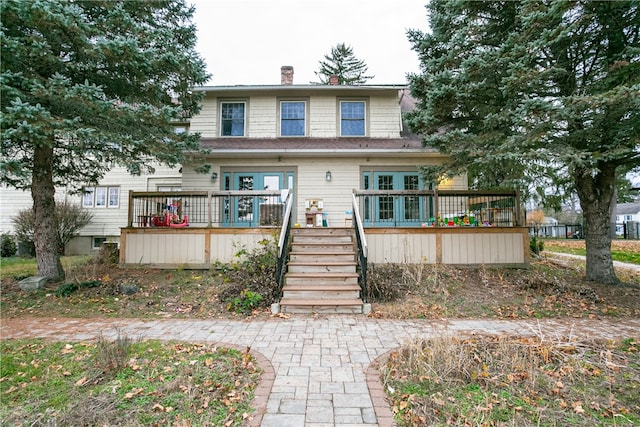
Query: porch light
x,y
214,176
328,176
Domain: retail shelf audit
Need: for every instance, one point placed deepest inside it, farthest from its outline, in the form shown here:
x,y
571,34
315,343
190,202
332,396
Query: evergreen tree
x,y
87,85
343,64
548,91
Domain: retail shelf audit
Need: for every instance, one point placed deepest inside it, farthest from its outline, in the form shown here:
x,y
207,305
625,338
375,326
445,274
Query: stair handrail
x,y
283,244
363,248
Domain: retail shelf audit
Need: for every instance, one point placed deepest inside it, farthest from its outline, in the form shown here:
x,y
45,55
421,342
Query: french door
x,y
393,210
251,210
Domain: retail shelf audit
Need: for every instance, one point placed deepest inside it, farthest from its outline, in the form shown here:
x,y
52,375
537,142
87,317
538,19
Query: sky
x,y
245,42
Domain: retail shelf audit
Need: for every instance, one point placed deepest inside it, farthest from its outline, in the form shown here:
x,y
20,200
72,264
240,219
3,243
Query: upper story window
x,y
101,197
232,118
292,118
352,118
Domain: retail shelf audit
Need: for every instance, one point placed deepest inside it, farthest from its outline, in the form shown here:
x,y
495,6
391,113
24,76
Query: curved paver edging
x,y
316,370
381,406
263,389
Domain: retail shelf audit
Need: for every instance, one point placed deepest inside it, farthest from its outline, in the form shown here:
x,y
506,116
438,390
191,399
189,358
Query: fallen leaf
x,y
81,381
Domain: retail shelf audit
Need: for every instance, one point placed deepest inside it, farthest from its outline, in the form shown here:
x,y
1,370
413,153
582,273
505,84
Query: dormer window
x,y
352,118
232,118
292,118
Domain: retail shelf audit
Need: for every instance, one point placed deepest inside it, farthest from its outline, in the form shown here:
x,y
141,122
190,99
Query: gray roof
x,y
315,146
302,88
628,209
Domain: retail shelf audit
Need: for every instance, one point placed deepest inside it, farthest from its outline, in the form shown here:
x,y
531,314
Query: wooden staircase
x,y
321,272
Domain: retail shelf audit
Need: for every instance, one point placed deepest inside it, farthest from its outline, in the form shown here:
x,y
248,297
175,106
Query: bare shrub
x,y
389,282
110,357
99,410
69,220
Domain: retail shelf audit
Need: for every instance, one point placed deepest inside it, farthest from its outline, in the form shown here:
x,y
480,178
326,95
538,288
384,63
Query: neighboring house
x,y
626,212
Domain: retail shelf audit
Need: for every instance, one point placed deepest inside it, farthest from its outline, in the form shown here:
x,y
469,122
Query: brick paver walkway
x,y
319,371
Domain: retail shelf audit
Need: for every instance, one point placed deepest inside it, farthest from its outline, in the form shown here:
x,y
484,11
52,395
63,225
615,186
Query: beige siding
x,y
455,183
195,247
224,247
458,246
494,248
402,248
205,122
11,202
323,117
188,248
107,221
262,111
384,117
164,248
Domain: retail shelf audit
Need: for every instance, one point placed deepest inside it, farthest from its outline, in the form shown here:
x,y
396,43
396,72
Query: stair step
x,y
319,279
315,267
320,294
321,239
304,305
313,287
321,257
321,273
322,247
324,231
328,301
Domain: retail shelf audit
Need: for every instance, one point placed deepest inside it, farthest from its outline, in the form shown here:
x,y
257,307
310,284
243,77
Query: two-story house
x,y
330,150
320,141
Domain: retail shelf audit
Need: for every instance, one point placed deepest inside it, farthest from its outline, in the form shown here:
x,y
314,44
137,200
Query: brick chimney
x,y
334,80
286,75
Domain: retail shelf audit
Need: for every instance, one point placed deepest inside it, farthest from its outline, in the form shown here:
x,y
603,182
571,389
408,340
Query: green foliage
x,y
343,64
67,289
125,382
541,96
69,219
109,80
251,281
535,245
245,303
8,247
87,85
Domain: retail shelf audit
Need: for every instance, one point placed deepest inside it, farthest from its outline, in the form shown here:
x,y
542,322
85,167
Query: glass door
x,y
395,210
252,210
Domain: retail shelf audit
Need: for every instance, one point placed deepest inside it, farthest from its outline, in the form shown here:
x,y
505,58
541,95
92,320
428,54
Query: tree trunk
x,y
596,194
45,236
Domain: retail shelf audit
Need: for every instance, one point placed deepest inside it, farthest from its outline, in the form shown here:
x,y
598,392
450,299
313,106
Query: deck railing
x,y
438,208
361,241
283,246
262,208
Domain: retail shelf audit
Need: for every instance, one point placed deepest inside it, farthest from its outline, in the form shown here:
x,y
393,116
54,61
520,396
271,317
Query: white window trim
x,y
366,116
306,117
245,119
94,191
86,199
